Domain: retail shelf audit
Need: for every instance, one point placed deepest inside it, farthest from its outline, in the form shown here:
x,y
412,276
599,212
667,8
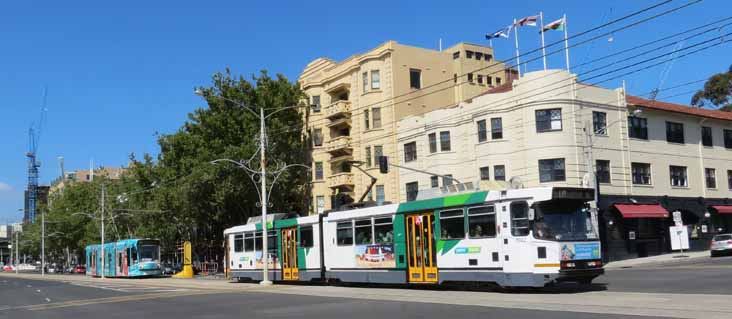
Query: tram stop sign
x,y
677,218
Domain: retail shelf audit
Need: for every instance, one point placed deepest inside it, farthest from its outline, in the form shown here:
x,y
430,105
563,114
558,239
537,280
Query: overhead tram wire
x,y
643,68
558,71
530,60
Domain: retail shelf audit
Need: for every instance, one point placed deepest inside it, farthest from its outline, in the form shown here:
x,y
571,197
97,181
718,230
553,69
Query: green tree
x,y
717,91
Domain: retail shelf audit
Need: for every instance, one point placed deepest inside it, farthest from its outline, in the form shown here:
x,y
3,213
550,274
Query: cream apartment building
x,y
355,105
546,128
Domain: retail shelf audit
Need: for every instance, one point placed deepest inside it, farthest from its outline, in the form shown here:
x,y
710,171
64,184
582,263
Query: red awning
x,y
726,209
642,210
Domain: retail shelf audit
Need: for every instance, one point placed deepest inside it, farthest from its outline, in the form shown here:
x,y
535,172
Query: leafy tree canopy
x,y
717,91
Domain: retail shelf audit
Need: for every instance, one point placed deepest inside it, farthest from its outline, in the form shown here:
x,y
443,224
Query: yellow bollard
x,y
187,271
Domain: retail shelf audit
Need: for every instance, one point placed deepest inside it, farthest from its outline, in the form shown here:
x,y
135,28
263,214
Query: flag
x,y
503,33
530,21
556,25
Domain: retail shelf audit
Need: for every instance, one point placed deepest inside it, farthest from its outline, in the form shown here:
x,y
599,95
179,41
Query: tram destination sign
x,y
573,193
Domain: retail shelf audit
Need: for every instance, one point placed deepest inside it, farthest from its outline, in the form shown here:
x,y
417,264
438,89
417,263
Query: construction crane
x,y
34,138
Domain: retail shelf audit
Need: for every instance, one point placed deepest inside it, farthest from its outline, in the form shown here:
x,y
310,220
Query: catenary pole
x,y
263,165
43,244
103,257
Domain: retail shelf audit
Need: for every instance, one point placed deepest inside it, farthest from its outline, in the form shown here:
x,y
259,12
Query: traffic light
x,y
383,164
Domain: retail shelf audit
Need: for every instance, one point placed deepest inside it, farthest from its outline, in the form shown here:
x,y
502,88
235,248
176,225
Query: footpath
x,y
659,260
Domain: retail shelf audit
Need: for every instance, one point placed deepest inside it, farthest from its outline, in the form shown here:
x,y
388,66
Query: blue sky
x,y
118,72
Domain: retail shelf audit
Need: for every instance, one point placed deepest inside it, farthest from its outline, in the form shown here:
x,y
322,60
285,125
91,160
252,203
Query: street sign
x,y
677,218
679,237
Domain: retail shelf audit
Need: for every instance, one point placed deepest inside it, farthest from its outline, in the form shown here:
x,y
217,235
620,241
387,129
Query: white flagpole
x,y
518,59
541,27
566,45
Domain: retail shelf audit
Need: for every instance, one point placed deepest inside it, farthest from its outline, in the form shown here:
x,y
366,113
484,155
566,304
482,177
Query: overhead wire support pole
x,y
102,246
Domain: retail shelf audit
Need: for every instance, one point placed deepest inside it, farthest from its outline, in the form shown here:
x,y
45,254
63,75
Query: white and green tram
x,y
515,238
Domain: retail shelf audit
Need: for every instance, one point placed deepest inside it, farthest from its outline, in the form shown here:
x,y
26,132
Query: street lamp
x,y
262,173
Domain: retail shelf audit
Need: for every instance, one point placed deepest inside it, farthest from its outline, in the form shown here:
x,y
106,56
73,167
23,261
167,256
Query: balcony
x,y
342,122
340,145
338,109
335,160
341,180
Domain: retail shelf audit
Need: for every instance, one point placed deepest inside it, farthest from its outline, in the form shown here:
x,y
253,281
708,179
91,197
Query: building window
x,y
454,77
434,181
315,103
488,80
433,142
478,56
380,197
519,218
641,173
482,222
447,180
498,81
482,131
470,77
376,117
602,171
729,179
548,120
599,123
445,141
551,170
367,156
485,173
410,151
728,138
366,119
412,191
487,57
344,233
499,172
468,54
480,79
318,137
365,82
707,139
378,153
496,128
415,78
638,127
452,224
320,203
375,80
678,176
675,132
318,171
456,55
710,175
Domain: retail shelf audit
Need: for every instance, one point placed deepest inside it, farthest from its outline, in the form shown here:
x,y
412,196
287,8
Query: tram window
x,y
344,233
482,222
363,232
134,255
519,219
238,243
383,230
258,241
306,236
452,224
248,241
272,241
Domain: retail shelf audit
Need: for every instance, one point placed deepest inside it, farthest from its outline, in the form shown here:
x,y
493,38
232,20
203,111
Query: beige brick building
x,y
356,104
535,130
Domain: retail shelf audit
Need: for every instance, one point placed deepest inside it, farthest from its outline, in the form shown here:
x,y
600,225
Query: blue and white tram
x,y
125,258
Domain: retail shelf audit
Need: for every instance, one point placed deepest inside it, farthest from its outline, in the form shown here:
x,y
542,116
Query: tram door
x,y
421,254
125,264
289,254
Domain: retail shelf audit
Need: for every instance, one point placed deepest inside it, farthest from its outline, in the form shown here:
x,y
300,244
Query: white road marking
x,y
126,287
48,300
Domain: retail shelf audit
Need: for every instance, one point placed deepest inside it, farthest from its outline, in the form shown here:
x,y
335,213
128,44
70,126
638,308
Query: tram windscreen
x,y
563,220
149,251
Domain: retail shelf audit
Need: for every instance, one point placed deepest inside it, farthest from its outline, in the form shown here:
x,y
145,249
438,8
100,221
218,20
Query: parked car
x,y
8,268
721,244
168,269
80,269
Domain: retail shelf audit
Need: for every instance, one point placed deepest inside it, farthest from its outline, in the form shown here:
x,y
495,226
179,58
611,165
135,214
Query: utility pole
x,y
103,257
43,244
263,164
17,248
